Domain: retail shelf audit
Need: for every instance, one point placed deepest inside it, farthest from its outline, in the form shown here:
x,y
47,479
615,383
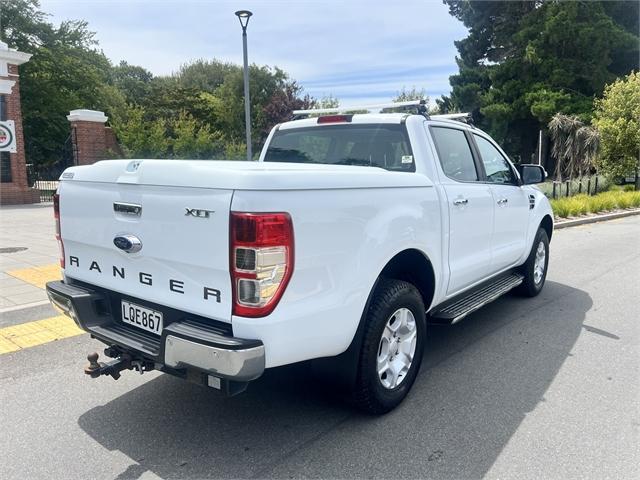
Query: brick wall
x,y
18,190
92,141
89,138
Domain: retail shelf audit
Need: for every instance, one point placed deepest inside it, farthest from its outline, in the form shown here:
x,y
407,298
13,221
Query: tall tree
x,y
141,137
273,97
205,75
414,93
523,61
194,140
65,72
617,118
133,81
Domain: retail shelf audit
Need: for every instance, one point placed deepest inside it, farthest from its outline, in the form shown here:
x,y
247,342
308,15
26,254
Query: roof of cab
x,y
368,118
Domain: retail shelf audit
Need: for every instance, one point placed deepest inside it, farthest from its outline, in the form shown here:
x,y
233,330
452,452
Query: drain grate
x,y
12,249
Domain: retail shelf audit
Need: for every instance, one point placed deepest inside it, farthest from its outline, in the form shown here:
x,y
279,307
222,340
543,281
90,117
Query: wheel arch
x,y
413,266
547,224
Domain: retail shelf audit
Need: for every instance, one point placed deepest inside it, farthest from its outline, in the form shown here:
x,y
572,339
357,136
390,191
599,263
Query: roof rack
x,y
420,106
452,116
459,117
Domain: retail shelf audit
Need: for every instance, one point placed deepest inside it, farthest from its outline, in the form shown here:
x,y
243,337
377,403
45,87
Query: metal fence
x,y
586,185
45,177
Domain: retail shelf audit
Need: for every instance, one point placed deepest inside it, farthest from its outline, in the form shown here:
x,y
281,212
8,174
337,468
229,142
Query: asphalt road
x,y
524,388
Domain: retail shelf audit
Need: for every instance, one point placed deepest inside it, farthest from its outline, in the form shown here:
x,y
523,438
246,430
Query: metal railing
x,y
45,179
591,185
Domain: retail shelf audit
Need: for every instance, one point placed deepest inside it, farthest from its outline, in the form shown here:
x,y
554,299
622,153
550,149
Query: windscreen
x,y
373,145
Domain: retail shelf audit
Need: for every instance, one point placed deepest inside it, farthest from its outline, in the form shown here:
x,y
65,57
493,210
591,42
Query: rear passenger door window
x,y
455,154
496,167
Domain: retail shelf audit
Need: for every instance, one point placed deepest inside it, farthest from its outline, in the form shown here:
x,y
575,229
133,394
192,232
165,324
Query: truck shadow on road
x,y
479,380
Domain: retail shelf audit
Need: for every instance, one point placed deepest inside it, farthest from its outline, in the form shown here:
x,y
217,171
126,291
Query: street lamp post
x,y
243,16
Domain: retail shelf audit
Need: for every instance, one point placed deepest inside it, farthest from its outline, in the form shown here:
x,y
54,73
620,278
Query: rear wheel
x,y
535,268
392,346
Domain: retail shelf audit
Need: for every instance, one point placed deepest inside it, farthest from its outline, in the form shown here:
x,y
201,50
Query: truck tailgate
x,y
184,259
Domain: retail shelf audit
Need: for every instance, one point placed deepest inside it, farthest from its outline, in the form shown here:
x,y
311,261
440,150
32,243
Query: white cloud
x,y
351,49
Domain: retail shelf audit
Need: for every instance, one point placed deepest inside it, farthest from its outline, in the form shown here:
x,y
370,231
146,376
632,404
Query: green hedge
x,y
584,204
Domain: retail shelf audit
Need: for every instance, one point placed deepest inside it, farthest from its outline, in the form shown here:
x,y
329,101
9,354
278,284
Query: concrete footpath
x,y
28,255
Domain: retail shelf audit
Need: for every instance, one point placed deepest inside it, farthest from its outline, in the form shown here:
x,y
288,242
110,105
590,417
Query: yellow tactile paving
x,y
38,276
35,333
7,346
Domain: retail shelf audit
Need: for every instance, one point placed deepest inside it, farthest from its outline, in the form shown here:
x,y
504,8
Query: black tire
x,y
529,287
369,393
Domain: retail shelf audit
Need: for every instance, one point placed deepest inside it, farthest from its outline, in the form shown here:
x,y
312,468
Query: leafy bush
x,y
579,205
625,201
617,118
583,204
561,208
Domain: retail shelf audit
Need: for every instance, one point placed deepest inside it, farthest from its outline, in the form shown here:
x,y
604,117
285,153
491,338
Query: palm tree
x,y
575,145
588,139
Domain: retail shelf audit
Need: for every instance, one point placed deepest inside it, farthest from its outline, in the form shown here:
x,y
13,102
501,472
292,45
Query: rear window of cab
x,y
374,145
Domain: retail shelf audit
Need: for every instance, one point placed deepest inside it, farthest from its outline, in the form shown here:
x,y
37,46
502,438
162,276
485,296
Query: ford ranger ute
x,y
340,245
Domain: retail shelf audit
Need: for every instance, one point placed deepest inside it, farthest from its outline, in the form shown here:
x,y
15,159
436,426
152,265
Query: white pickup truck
x,y
348,236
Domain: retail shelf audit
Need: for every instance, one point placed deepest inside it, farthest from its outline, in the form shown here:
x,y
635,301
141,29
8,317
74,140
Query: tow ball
x,y
123,361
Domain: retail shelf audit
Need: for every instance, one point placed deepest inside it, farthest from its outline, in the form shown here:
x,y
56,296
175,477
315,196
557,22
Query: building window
x,y
5,167
5,157
3,108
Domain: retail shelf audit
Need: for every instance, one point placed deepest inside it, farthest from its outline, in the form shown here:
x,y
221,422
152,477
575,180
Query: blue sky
x,y
359,51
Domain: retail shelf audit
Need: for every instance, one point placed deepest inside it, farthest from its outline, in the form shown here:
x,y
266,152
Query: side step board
x,y
458,308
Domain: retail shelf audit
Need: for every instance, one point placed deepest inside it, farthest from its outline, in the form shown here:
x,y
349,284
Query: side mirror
x,y
531,174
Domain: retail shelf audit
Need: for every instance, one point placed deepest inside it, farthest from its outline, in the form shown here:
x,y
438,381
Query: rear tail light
x,y
56,215
261,258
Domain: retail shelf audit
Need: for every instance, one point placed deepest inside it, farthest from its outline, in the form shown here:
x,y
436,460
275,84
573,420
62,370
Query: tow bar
x,y
123,361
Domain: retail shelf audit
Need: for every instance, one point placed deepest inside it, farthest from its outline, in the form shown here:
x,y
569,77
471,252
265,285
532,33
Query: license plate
x,y
142,317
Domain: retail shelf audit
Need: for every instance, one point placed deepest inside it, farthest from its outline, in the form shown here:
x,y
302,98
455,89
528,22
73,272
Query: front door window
x,y
496,167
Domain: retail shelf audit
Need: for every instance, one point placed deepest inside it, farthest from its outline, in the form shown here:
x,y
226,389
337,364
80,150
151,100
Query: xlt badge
x,y
198,212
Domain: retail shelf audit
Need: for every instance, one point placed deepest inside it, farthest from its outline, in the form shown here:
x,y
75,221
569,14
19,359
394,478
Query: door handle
x,y
460,201
503,201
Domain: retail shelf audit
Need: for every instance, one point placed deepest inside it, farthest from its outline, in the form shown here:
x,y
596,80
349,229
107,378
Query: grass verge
x,y
603,202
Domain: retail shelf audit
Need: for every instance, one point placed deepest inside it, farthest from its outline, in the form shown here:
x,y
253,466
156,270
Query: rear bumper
x,y
186,343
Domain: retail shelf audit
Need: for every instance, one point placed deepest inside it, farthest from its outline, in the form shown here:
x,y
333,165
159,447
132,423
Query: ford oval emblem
x,y
133,166
128,243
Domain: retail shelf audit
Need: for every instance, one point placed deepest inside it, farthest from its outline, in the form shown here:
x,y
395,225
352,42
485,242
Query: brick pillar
x,y
17,189
89,136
